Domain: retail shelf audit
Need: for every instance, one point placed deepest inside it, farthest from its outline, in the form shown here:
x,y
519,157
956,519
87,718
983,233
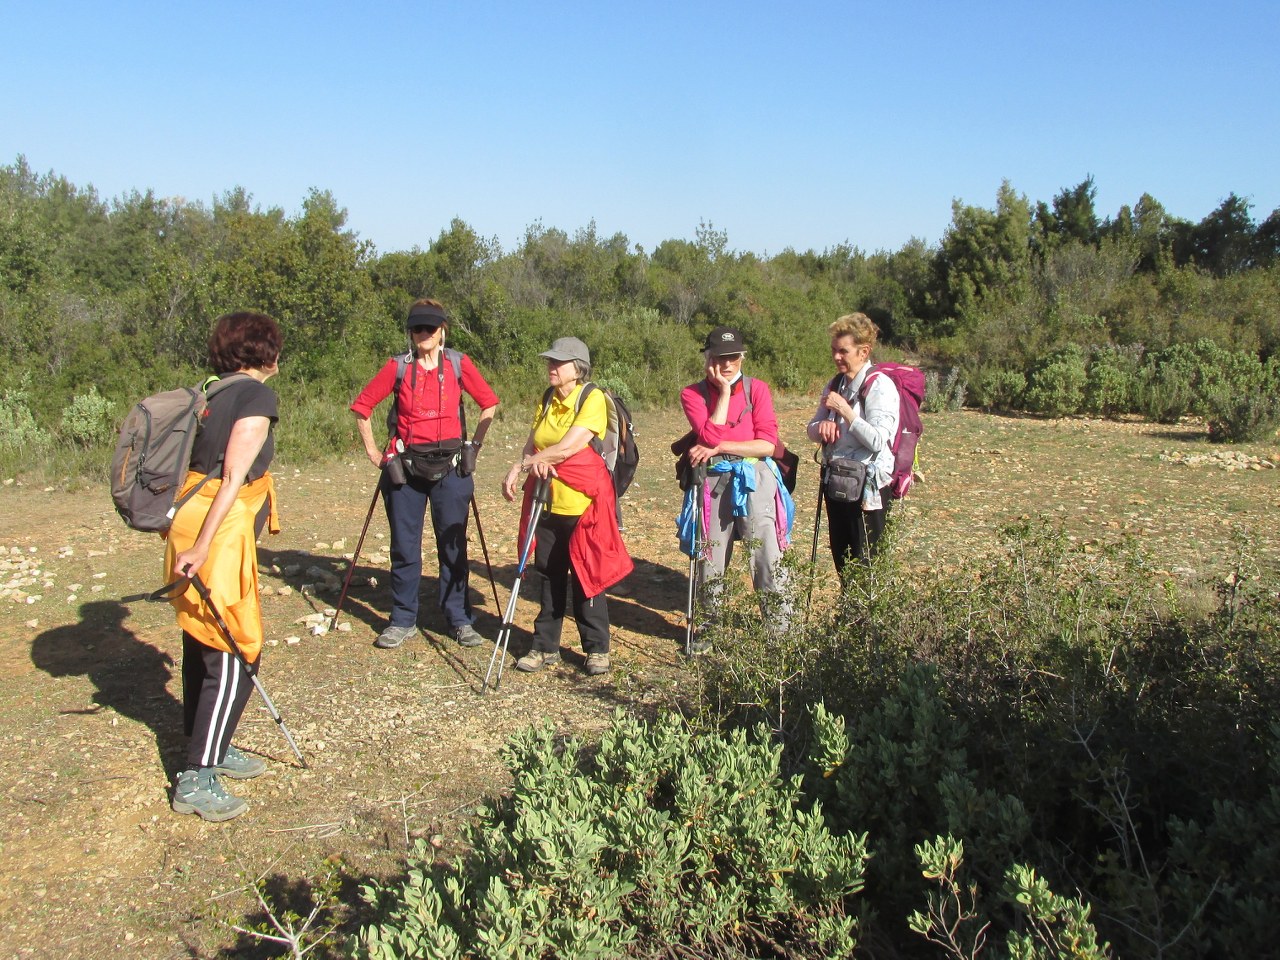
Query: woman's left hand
x,y
839,405
188,562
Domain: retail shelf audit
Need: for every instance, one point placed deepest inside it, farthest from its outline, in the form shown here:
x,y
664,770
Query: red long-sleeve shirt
x,y
428,400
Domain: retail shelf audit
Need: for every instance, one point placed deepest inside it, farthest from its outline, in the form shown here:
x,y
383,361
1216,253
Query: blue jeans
x,y
449,499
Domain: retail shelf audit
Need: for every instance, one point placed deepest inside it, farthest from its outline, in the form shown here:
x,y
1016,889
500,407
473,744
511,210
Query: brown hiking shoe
x,y
598,663
537,659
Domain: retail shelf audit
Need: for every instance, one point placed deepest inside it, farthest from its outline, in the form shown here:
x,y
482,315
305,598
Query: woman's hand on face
x,y
716,375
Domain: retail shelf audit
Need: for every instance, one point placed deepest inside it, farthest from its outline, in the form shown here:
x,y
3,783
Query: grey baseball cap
x,y
567,348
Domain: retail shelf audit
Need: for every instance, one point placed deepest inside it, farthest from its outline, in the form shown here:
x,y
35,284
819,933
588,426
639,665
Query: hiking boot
x,y
393,636
467,636
537,659
238,765
199,791
598,663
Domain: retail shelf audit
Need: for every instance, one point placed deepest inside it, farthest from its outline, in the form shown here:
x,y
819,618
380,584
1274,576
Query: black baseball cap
x,y
724,342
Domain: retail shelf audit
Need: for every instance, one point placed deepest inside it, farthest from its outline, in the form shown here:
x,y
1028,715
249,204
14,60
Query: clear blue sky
x,y
802,125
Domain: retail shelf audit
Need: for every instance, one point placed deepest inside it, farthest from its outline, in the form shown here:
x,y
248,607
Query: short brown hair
x,y
859,326
244,341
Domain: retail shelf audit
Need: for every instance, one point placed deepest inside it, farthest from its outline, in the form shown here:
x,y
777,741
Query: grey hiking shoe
x,y
537,659
199,791
238,765
392,637
467,636
597,664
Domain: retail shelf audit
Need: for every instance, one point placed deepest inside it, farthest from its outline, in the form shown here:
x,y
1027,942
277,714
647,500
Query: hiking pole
x,y
351,567
504,633
163,594
694,558
817,524
475,512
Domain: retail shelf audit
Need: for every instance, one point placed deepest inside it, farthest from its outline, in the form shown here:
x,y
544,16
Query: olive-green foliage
x,y
994,388
941,394
1111,381
1056,386
1055,926
658,836
1054,707
122,293
89,419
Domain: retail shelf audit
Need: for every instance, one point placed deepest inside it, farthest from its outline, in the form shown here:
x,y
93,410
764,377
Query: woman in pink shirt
x,y
735,430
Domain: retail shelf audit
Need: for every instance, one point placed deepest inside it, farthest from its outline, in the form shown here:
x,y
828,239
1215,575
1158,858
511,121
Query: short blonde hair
x,y
859,326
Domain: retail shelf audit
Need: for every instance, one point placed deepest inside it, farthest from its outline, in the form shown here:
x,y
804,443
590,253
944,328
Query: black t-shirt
x,y
246,397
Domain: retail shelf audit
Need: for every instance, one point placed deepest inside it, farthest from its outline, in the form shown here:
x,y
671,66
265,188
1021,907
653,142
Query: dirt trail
x,y
94,864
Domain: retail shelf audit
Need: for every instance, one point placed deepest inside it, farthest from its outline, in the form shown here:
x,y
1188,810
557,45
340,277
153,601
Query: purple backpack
x,y
910,384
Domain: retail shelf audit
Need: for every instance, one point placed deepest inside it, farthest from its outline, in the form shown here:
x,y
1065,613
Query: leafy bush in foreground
x,y
660,837
1052,707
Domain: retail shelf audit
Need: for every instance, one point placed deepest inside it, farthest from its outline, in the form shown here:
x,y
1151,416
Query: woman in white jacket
x,y
856,421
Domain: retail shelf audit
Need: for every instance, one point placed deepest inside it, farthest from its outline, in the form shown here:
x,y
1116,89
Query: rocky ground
x,y
401,744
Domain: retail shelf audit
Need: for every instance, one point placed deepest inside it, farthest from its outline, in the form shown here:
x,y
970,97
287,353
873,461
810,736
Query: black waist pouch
x,y
430,461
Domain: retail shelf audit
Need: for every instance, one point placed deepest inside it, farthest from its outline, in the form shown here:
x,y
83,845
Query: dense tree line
x,y
120,293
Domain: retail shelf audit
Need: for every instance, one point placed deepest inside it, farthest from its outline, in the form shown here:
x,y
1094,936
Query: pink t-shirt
x,y
760,423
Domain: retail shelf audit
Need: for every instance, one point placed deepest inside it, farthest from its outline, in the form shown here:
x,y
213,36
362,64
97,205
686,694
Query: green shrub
x,y
660,836
943,394
1056,926
1057,384
1052,706
1111,381
1245,404
89,419
18,428
998,388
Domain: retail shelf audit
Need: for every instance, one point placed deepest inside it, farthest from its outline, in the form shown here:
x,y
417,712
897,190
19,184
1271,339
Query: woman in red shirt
x,y
428,437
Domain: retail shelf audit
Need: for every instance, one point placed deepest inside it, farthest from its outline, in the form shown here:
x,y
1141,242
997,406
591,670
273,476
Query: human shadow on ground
x,y
130,676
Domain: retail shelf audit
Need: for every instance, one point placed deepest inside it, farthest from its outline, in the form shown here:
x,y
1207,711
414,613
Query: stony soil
x,y
401,744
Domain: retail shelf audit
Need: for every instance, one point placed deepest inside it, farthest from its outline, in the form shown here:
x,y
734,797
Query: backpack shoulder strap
x,y
455,360
393,415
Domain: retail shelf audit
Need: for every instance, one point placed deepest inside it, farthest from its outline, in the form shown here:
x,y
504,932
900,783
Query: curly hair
x,y
244,341
859,326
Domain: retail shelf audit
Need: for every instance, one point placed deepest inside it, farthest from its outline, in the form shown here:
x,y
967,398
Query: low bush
x,y
998,388
89,419
1054,707
1056,386
659,836
943,393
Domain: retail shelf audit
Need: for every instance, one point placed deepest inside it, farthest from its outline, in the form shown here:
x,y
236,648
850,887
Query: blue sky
x,y
802,125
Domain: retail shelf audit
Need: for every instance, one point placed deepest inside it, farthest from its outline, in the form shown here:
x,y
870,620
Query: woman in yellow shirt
x,y
563,428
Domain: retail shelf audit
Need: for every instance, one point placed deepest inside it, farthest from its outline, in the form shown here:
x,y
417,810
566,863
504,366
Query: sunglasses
x,y
424,328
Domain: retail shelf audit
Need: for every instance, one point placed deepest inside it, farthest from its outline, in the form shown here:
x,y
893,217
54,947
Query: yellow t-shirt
x,y
549,430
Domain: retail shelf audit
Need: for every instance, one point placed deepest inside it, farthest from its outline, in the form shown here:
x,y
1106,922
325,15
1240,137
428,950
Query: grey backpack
x,y
153,454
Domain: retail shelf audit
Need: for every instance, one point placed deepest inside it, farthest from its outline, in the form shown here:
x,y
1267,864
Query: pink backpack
x,y
910,384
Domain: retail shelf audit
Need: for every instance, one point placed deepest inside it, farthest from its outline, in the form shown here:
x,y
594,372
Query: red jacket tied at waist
x,y
596,550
